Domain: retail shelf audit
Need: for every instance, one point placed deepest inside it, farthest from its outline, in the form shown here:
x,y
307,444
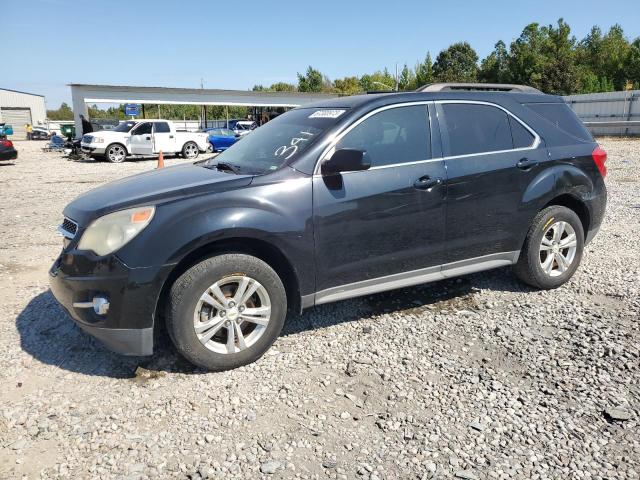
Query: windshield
x,y
124,127
278,141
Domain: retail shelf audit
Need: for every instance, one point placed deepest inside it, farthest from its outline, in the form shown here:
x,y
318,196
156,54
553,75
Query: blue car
x,y
221,138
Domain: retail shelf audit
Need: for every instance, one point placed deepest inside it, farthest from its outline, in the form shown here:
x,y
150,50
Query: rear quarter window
x,y
563,118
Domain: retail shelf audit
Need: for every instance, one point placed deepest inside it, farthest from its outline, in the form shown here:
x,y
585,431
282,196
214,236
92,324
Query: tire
x,y
190,150
548,265
115,153
186,311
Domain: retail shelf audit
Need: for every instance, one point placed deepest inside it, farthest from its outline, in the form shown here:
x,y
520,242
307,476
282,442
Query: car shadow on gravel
x,y
49,335
439,297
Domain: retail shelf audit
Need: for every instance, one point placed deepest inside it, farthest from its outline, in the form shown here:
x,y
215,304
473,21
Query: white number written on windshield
x,y
288,151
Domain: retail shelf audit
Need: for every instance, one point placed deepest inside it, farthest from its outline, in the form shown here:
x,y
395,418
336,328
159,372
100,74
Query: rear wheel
x,y
553,248
116,153
190,150
226,311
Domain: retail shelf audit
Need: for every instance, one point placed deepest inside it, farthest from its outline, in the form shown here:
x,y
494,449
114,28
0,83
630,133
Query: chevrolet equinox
x,y
333,200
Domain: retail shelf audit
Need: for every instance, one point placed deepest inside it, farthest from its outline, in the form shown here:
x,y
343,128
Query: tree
x,y
407,80
632,64
379,80
62,113
424,72
347,85
458,63
283,87
615,52
494,68
312,81
559,73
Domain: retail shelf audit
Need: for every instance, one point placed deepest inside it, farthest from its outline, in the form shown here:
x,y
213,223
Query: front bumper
x,y
127,327
93,148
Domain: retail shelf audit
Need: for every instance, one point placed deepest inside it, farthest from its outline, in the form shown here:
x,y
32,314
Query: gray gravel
x,y
474,378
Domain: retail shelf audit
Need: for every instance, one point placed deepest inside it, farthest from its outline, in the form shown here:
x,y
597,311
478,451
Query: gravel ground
x,y
474,378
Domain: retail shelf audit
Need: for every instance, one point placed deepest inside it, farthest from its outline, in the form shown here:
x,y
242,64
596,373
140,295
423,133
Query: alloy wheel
x,y
558,248
232,314
191,150
116,154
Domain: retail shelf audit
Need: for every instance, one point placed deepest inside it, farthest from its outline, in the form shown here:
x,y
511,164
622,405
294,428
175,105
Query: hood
x,y
106,134
152,188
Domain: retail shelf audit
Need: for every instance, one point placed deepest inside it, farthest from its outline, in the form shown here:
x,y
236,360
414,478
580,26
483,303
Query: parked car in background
x,y
338,199
221,138
7,150
143,138
244,127
40,133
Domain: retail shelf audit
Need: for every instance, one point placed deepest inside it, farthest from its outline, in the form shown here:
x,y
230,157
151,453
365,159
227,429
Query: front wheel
x,y
553,248
190,150
116,153
226,311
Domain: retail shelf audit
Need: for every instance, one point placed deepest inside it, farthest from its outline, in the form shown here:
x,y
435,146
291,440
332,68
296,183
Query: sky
x,y
236,44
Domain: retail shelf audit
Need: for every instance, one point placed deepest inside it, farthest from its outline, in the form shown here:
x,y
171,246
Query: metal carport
x,y
82,94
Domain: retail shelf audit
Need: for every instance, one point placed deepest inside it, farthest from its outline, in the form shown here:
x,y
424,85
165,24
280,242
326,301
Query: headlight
x,y
98,140
113,231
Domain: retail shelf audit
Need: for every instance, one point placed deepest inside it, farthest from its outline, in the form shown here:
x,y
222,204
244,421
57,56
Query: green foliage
x,y
312,81
494,68
275,87
407,80
458,63
424,72
62,113
378,81
347,86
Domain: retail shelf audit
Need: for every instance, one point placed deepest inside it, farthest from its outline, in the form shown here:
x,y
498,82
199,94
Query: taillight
x,y
6,143
600,158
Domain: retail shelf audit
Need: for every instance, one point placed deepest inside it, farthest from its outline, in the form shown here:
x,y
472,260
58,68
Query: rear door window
x,y
473,128
393,136
563,118
162,127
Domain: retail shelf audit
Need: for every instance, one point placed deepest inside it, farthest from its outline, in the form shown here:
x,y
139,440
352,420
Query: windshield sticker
x,y
326,113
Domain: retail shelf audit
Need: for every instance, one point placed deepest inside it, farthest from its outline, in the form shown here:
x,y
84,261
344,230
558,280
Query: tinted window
x,y
563,118
143,129
124,127
397,135
162,127
522,138
475,129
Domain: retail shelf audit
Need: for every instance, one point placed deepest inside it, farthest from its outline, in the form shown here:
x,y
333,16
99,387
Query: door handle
x,y
427,182
147,138
170,136
525,164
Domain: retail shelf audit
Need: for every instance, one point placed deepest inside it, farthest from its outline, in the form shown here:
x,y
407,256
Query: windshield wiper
x,y
223,166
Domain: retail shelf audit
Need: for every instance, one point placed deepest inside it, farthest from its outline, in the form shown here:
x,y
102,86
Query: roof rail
x,y
478,87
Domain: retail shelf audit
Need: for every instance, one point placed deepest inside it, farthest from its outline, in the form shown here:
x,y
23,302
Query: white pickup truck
x,y
143,138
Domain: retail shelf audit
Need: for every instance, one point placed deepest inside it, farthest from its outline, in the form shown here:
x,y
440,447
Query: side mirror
x,y
345,160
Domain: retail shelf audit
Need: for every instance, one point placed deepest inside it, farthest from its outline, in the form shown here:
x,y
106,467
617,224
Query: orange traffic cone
x,y
161,160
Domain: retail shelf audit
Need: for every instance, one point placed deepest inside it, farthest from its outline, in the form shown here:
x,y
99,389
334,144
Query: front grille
x,y
87,139
69,226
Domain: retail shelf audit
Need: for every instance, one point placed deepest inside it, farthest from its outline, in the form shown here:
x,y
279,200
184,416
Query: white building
x,y
19,108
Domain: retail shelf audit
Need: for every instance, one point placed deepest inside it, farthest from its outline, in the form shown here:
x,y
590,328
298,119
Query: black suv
x,y
330,201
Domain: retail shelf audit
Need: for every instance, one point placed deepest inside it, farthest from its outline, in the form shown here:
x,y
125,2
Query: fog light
x,y
100,305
